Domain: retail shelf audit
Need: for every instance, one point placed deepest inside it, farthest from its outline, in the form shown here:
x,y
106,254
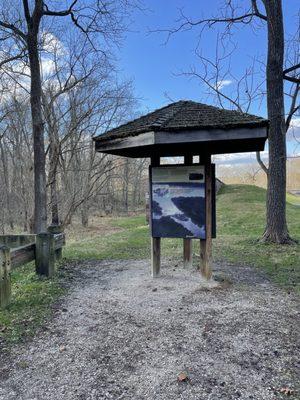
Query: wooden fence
x,y
16,250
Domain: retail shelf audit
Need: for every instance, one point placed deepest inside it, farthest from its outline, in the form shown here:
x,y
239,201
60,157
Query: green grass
x,y
130,242
240,223
31,300
292,199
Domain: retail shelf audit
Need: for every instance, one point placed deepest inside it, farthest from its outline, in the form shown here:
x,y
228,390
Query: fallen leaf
x,y
182,377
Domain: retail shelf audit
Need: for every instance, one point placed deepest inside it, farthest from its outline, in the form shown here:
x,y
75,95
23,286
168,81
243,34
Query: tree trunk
x,y
40,196
7,188
125,185
53,163
276,226
84,216
53,189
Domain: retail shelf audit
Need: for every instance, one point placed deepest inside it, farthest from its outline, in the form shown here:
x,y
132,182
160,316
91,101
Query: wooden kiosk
x,y
187,129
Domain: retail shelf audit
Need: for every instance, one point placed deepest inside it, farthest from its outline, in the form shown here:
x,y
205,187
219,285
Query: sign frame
x,y
213,207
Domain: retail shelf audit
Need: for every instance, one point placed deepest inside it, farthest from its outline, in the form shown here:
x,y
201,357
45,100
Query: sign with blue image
x,y
178,201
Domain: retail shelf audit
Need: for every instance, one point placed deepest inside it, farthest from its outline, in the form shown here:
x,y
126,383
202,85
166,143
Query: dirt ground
x,y
119,334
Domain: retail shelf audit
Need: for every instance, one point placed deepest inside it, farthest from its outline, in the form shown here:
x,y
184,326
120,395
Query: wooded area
x,y
80,95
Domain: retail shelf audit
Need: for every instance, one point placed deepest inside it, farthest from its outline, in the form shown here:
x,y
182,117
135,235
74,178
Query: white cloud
x,y
222,83
51,44
47,66
295,122
294,129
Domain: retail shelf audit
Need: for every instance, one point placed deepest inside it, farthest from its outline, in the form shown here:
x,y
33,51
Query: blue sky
x,y
154,65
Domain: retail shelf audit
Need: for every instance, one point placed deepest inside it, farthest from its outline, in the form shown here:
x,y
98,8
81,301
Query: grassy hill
x,y
241,221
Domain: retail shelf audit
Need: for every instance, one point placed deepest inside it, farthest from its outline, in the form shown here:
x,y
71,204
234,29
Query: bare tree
x,y
276,226
22,29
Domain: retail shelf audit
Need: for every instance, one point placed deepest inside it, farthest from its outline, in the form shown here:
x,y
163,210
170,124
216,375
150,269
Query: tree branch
x,y
293,68
26,11
291,79
293,107
62,13
256,11
243,19
13,58
261,163
13,28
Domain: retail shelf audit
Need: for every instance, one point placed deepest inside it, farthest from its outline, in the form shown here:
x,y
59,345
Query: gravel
x,y
119,334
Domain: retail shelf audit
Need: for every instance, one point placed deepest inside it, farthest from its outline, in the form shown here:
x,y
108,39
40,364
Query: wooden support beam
x,y
188,243
188,159
155,161
5,282
206,244
155,242
155,257
187,253
45,254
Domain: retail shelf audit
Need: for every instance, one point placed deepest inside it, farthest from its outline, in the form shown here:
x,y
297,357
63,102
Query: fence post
x,y
54,229
5,282
45,254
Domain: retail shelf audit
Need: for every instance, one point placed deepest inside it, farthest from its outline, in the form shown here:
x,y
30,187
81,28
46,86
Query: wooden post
x,y
5,282
155,257
187,253
206,245
188,243
45,254
53,229
155,241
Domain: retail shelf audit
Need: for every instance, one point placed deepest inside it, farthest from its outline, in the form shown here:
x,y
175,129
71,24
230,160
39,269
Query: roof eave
x,y
156,142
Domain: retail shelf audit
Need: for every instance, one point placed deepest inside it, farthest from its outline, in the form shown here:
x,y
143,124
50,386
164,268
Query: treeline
x,y
79,181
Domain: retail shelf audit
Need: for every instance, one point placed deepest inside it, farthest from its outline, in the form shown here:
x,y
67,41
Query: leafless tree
x,y
21,30
276,73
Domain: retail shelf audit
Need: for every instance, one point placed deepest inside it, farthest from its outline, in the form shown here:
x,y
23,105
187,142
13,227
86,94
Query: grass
x,y
292,199
240,222
31,300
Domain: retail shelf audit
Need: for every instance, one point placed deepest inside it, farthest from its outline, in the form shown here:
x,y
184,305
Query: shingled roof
x,y
184,116
185,128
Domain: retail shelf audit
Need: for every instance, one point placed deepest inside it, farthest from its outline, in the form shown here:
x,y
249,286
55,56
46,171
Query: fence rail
x,y
22,255
16,250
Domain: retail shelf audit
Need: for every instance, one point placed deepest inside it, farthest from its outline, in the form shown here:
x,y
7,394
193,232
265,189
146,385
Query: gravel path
x,y
119,334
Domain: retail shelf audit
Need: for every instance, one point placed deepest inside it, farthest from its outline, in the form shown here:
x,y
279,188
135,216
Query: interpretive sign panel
x,y
178,201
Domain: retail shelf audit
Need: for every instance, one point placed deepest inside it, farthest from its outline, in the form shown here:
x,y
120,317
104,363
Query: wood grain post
x,y
45,254
155,257
5,282
155,241
187,253
188,243
206,244
54,229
